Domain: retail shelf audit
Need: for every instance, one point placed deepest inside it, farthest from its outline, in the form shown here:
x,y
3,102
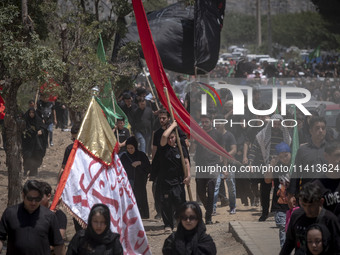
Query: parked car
x,y
330,114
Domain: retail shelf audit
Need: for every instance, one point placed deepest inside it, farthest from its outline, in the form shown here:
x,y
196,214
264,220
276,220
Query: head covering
x,y
194,241
36,121
326,238
132,141
105,237
282,147
265,135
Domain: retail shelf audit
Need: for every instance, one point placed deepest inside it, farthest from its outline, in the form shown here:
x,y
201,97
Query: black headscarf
x,y
326,238
194,241
36,121
107,236
132,141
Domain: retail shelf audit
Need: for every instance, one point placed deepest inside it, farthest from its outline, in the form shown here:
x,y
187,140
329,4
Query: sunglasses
x,y
36,199
190,218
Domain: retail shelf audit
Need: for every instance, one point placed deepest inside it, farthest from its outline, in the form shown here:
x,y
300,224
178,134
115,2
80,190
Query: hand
x,y
245,161
274,160
225,175
55,122
39,132
136,163
186,181
291,201
174,124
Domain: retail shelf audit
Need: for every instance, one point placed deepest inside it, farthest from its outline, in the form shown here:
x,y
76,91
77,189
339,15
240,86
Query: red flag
x,y
154,63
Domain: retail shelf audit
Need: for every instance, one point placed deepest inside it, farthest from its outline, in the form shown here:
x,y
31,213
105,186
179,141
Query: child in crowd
x,y
311,211
318,240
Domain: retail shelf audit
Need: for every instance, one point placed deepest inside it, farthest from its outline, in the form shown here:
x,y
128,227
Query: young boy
x,y
281,182
311,212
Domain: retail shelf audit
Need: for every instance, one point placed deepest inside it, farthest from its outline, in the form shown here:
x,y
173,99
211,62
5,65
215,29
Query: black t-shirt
x,y
45,111
330,189
123,135
62,219
67,154
29,233
158,136
280,199
296,232
228,140
171,170
205,157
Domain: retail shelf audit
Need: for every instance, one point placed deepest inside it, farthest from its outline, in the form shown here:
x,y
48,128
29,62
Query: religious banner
x,y
94,174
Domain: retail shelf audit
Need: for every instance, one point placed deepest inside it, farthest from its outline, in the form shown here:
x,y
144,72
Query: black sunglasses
x,y
36,199
190,218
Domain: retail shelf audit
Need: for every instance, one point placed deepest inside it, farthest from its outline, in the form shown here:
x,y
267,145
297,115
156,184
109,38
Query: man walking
x,y
30,228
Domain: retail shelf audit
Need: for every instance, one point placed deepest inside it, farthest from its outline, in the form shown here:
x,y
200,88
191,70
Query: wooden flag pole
x,y
153,94
178,142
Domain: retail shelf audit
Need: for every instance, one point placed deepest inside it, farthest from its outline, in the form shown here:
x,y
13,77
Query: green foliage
x,y
78,45
22,58
153,5
238,29
304,30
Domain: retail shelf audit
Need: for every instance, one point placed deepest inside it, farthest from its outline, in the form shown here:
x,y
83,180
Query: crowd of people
x,y
306,208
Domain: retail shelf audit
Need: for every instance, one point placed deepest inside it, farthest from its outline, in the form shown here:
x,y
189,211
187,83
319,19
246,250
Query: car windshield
x,y
330,116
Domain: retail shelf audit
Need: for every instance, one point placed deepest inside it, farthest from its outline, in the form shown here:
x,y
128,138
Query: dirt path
x,y
225,243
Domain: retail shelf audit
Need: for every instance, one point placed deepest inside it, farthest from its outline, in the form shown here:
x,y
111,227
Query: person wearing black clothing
x,y
205,180
330,182
281,182
242,145
74,132
61,216
97,238
310,154
262,151
128,107
123,134
171,176
191,236
311,212
30,228
62,115
46,111
137,167
318,240
33,142
142,125
164,119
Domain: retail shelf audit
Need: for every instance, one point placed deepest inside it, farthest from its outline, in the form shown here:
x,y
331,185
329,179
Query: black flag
x,y
185,36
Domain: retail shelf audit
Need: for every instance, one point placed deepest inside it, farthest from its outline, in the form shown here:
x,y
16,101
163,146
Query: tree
x,y
58,45
75,34
23,59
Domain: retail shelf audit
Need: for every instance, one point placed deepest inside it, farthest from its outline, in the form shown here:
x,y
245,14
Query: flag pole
x,y
153,94
178,143
114,110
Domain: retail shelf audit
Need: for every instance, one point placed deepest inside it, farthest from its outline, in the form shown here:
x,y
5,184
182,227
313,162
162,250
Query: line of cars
x,y
328,110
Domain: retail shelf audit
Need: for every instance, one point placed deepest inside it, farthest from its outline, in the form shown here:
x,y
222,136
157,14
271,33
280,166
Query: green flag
x,y
315,53
231,71
295,143
106,98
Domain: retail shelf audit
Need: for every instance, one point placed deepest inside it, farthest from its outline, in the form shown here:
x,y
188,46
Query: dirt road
x,y
225,243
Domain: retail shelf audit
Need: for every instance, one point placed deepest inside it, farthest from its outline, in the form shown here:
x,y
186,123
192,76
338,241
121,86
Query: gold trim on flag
x,y
96,134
